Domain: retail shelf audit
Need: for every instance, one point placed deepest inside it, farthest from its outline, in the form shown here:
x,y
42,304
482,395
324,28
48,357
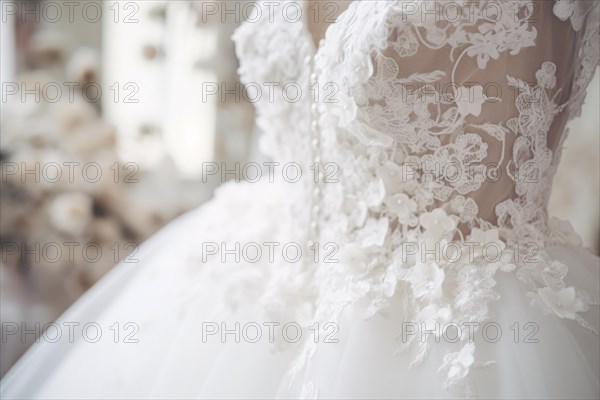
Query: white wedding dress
x,y
437,128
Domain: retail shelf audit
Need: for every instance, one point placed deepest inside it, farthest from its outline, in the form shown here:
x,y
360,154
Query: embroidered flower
x,y
426,280
435,35
458,38
545,76
437,223
520,37
469,100
466,208
484,47
565,9
405,46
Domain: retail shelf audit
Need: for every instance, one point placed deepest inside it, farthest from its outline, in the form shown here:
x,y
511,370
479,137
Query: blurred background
x,y
104,131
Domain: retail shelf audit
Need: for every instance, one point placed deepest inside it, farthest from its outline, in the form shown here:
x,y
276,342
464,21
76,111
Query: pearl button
x,y
315,144
307,60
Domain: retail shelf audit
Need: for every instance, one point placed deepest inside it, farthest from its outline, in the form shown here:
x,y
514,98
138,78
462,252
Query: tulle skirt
x,y
158,327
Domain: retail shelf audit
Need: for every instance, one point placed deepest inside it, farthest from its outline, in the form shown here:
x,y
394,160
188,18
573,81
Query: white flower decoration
x,y
393,274
466,208
390,282
402,206
374,232
469,100
458,364
344,109
564,303
395,177
571,9
356,211
437,223
484,47
426,280
486,240
433,316
375,193
361,67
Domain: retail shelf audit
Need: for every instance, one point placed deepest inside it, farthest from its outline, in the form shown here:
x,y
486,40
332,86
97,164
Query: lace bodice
x,y
429,81
444,121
